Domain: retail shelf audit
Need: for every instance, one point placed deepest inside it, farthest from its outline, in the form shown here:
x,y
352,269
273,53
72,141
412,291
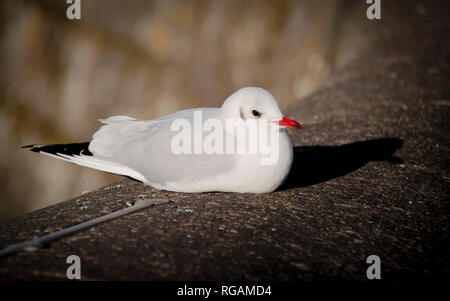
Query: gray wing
x,y
145,146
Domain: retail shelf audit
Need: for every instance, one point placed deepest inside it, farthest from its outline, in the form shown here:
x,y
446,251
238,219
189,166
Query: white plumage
x,y
142,149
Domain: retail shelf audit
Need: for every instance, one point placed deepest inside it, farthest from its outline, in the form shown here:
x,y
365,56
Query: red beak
x,y
289,123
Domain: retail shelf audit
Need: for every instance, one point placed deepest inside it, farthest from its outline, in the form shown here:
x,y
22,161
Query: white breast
x,y
248,175
251,176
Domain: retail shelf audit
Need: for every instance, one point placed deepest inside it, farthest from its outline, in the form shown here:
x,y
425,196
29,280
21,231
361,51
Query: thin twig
x,y
39,242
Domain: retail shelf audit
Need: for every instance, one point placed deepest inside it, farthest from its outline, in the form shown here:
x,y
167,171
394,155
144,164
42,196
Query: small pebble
x,y
130,203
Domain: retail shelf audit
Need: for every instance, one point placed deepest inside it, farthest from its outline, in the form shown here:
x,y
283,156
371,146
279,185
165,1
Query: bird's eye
x,y
256,113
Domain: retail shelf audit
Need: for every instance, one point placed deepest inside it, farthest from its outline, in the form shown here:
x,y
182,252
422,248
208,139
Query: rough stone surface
x,y
371,176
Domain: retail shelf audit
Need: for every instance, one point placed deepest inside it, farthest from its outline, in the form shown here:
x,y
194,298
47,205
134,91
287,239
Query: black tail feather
x,y
66,149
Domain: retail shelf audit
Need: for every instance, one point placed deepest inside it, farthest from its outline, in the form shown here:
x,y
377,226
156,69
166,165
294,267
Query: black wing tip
x,y
33,147
67,149
28,146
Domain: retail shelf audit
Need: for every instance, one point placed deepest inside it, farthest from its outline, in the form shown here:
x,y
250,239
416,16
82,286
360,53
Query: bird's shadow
x,y
316,164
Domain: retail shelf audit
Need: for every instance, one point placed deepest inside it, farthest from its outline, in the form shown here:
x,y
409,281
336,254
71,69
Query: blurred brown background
x,y
145,59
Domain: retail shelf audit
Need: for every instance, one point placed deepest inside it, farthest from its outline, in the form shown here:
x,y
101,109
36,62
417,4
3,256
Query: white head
x,y
255,103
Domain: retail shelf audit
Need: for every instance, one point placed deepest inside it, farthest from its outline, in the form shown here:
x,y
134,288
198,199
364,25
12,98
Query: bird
x,y
143,149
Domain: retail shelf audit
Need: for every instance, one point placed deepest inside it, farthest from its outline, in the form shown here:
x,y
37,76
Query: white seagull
x,y
141,149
